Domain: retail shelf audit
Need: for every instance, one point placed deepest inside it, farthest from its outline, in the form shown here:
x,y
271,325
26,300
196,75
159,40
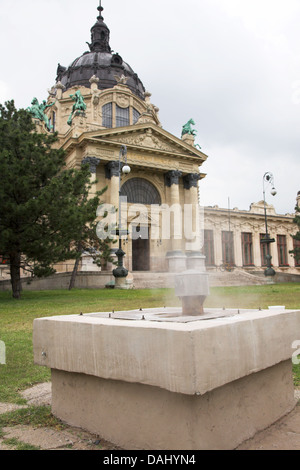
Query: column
x,y
86,260
218,245
237,246
175,256
112,173
93,162
192,221
256,248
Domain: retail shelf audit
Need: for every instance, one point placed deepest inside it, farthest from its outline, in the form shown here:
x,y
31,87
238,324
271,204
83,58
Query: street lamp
x,y
120,273
269,178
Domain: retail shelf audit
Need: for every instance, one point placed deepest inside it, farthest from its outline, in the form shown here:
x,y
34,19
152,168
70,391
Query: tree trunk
x,y
15,274
74,273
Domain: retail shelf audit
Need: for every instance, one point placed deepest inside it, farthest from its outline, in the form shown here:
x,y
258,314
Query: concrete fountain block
x,y
153,382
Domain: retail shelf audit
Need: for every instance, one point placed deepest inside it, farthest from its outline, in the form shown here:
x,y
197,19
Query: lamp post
x,y
269,178
120,273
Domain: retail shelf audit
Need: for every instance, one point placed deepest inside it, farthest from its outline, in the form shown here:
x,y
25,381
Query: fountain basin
x,y
155,379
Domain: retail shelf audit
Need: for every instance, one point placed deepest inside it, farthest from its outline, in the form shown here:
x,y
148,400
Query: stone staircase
x,y
238,277
153,280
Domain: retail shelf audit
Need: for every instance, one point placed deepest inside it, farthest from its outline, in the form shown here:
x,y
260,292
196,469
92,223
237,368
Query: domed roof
x,y
101,62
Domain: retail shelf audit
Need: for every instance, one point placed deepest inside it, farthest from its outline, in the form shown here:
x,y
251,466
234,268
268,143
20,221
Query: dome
x,y
101,62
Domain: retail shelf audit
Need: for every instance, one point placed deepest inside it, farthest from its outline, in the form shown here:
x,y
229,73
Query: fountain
x,y
191,286
171,378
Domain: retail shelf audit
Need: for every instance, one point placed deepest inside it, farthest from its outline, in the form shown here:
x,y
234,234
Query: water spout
x,y
192,286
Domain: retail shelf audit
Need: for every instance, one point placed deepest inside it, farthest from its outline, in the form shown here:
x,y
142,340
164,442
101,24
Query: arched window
x,y
122,116
140,191
107,115
136,115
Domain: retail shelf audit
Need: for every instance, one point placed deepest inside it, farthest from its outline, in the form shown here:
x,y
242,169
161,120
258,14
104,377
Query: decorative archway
x,y
141,191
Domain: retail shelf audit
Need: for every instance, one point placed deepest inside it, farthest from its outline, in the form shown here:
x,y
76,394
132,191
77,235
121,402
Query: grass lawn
x,y
16,319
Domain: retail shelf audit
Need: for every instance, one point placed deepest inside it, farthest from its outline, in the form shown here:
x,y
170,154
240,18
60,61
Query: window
x,y
263,250
227,247
140,191
107,115
122,116
282,250
136,115
297,248
208,247
247,249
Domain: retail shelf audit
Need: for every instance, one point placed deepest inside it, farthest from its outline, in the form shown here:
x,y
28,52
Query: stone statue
x,y
37,110
187,128
78,107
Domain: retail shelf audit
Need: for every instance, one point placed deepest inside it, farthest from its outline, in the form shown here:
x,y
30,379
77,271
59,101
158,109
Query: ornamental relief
x,y
107,98
138,106
122,100
147,140
151,162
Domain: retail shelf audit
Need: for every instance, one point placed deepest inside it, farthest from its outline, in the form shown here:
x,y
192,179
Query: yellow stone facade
x,y
118,114
170,164
244,249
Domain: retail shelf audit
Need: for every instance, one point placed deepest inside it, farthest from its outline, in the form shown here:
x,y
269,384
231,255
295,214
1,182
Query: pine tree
x,y
43,205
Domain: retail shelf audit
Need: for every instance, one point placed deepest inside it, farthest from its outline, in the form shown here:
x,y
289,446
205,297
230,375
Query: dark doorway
x,y
141,254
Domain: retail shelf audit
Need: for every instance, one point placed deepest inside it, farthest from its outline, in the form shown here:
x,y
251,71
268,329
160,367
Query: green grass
x,y
16,319
19,445
36,416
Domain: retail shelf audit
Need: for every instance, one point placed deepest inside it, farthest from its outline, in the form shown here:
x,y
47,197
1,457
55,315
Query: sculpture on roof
x,y
78,107
187,128
37,110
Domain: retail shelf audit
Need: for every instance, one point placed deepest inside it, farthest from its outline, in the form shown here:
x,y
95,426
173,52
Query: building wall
x,y
247,228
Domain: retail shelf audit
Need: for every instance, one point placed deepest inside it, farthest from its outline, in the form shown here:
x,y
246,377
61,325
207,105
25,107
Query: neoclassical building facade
x,y
99,107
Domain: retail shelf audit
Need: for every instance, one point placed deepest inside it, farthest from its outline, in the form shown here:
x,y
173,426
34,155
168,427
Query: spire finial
x,y
100,34
100,9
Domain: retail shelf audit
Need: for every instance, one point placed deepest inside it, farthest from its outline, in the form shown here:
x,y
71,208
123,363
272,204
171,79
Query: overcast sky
x,y
231,65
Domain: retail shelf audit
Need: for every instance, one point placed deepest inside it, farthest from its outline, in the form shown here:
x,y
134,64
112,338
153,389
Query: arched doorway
x,y
140,191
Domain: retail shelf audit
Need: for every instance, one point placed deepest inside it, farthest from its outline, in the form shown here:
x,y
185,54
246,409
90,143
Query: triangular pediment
x,y
147,137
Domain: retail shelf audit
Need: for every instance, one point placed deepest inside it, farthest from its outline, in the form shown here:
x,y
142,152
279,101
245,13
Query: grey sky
x,y
233,66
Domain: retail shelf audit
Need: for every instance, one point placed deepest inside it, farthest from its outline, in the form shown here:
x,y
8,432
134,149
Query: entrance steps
x,y
156,280
238,277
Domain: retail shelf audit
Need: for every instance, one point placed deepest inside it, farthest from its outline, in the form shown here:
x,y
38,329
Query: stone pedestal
x,y
176,261
157,380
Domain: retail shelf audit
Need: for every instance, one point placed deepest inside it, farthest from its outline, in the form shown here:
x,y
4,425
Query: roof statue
x,y
78,107
37,110
187,128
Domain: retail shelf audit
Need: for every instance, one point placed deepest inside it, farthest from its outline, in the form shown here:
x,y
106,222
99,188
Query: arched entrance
x,y
140,191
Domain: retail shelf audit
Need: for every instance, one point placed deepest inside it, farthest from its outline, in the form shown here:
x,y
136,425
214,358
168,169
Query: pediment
x,y
148,137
